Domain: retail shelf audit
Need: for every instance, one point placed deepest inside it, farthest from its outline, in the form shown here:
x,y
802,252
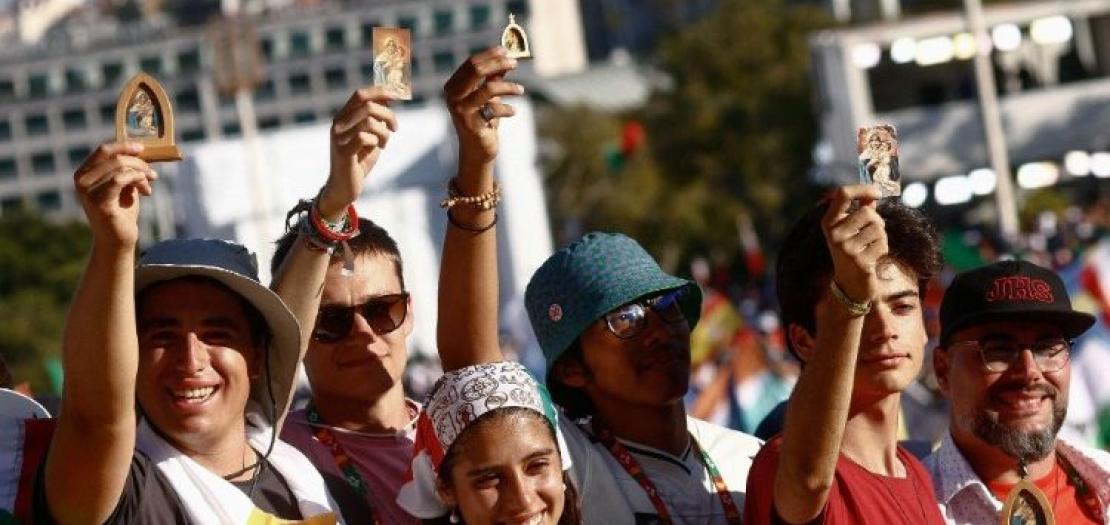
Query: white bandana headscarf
x,y
459,398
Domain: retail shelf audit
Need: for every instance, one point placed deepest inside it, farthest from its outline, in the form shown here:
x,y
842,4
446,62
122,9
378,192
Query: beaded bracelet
x,y
486,201
856,309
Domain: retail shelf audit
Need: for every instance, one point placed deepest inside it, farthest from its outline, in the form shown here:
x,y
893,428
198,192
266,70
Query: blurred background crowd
x,y
703,128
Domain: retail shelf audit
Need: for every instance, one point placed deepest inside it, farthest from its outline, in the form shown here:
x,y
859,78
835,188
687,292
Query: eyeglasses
x,y
630,320
1050,355
383,313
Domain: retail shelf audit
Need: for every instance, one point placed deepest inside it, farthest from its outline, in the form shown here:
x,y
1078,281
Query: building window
x,y
368,32
7,169
335,78
444,61
231,129
271,122
38,85
7,90
11,204
112,73
75,80
299,44
408,22
265,90
444,22
188,61
188,100
5,130
77,155
299,83
479,16
304,117
151,65
74,119
518,8
267,47
335,38
43,163
192,135
37,125
108,113
49,200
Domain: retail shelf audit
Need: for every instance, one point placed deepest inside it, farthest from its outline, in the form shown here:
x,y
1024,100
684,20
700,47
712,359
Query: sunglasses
x,y
630,320
384,314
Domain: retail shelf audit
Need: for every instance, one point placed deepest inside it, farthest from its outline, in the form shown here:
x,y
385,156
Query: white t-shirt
x,y
610,496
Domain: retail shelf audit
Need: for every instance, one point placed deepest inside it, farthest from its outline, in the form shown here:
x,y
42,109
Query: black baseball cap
x,y
1009,291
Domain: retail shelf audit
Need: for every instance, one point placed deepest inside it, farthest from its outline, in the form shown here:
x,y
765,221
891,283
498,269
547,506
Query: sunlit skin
x,y
196,360
364,366
1022,399
892,345
507,471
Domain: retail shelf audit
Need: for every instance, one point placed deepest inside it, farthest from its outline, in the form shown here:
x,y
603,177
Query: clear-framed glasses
x,y
999,354
629,320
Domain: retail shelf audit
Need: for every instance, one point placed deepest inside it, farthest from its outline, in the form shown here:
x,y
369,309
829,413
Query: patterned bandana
x,y
459,398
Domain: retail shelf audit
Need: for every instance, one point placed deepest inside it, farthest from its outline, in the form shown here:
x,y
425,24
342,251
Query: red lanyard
x,y
324,435
630,465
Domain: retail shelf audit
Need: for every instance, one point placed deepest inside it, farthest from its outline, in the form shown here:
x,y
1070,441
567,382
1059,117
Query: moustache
x,y
1043,389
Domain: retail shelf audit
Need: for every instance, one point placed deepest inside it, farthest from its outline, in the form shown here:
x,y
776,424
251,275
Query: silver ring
x,y
486,112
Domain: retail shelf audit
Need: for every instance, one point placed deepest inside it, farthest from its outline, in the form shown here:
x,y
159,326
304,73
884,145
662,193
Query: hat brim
x,y
284,353
1071,323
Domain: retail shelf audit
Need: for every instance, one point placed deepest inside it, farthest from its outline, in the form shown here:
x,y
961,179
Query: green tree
x,y
40,264
731,134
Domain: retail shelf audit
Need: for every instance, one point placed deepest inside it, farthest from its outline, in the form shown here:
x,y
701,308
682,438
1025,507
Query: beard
x,y
1026,446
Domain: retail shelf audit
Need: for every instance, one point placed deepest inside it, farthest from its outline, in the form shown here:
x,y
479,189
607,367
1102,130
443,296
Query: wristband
x,y
856,309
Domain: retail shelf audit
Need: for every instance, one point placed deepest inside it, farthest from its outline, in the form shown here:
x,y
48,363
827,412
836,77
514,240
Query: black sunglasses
x,y
384,314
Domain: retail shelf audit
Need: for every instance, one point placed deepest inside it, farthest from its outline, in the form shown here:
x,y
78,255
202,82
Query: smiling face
x,y
196,358
1018,410
365,364
506,470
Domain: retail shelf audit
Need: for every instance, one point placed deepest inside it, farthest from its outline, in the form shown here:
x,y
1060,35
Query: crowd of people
x,y
180,370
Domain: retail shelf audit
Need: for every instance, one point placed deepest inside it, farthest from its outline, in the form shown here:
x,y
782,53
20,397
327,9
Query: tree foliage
x,y
730,134
40,264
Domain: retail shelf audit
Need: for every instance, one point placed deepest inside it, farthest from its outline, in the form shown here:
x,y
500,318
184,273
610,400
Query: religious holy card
x,y
1026,505
393,61
877,147
515,40
144,115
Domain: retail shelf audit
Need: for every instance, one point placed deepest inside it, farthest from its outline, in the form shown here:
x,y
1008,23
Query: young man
x,y
208,353
849,277
1003,362
356,320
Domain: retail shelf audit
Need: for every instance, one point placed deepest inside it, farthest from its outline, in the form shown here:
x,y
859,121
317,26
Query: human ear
x,y
802,341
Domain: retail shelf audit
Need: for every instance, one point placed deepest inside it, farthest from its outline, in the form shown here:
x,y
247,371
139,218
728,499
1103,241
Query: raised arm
x,y
466,331
90,452
359,133
818,410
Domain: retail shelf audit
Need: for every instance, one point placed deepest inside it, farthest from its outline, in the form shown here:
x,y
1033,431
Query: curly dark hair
x,y
371,240
804,265
571,512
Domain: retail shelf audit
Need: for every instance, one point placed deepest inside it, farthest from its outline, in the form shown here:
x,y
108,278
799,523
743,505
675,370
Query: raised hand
x,y
473,95
108,185
856,236
359,133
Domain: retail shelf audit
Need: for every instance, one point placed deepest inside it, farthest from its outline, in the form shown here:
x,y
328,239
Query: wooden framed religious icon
x,y
144,114
514,39
878,158
393,61
1026,505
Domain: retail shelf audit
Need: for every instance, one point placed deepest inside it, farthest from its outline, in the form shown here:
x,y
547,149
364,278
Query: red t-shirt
x,y
857,496
1060,493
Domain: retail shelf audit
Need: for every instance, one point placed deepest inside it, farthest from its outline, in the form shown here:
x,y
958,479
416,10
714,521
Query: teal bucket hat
x,y
590,277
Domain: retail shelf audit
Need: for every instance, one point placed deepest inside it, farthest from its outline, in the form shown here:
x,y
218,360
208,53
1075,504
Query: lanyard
x,y
1087,496
630,465
325,436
